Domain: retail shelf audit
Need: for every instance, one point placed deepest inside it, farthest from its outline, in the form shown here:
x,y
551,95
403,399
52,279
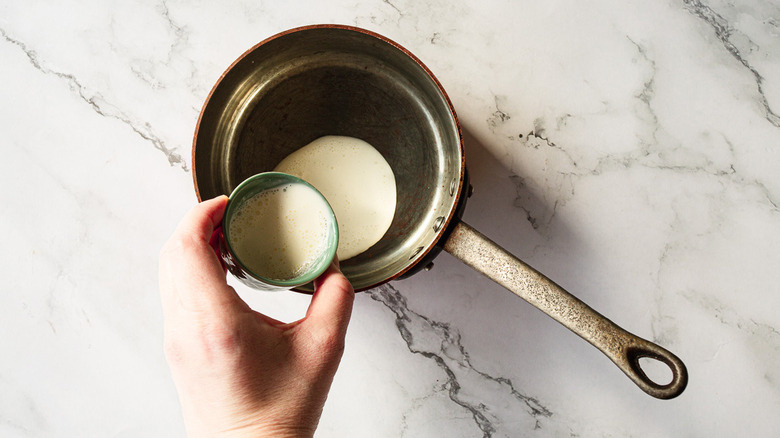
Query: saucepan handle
x,y
622,347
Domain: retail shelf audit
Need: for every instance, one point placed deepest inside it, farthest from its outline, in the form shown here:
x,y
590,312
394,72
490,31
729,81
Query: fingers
x,y
202,219
191,274
331,306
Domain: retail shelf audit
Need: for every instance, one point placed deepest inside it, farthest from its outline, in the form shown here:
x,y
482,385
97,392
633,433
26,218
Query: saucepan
x,y
321,80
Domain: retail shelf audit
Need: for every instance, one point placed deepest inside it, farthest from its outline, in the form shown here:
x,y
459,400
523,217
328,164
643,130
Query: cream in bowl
x,y
357,182
279,232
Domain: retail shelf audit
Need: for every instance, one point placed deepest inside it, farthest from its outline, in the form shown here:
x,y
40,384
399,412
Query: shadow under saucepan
x,y
499,330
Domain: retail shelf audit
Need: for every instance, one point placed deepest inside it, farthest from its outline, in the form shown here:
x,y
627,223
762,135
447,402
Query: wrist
x,y
250,430
266,431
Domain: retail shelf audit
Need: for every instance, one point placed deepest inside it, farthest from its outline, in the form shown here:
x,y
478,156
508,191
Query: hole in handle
x,y
649,364
656,370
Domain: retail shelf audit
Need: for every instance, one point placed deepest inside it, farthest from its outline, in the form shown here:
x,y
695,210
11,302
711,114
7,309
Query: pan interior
x,y
298,87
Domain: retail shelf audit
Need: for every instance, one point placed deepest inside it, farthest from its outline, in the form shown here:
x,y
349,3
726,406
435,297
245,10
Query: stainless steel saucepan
x,y
320,80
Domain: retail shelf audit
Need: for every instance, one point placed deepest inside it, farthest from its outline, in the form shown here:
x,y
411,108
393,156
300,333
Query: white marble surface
x,y
629,150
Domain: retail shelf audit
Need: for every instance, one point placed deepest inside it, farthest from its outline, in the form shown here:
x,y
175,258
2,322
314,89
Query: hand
x,y
239,372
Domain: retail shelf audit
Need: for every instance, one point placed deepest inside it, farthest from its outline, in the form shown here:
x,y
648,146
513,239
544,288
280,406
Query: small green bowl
x,y
244,191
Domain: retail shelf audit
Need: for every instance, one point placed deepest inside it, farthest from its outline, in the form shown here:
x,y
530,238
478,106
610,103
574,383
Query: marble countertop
x,y
629,150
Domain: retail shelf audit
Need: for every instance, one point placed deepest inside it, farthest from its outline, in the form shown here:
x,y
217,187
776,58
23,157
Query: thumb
x,y
331,306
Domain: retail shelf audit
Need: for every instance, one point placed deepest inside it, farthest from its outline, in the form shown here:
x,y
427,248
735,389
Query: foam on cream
x,y
279,233
357,182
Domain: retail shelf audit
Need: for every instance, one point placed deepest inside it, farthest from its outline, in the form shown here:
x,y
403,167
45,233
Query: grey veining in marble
x,y
489,399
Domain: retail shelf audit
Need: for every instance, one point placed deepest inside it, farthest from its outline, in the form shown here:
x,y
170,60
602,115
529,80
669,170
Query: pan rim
x,y
458,191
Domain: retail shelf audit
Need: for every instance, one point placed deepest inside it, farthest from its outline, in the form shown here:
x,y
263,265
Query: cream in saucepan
x,y
357,182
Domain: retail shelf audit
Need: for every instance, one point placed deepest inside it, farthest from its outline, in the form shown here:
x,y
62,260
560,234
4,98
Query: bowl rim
x,y
278,179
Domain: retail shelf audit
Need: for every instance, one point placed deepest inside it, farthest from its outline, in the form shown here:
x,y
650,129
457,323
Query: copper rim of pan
x,y
434,247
